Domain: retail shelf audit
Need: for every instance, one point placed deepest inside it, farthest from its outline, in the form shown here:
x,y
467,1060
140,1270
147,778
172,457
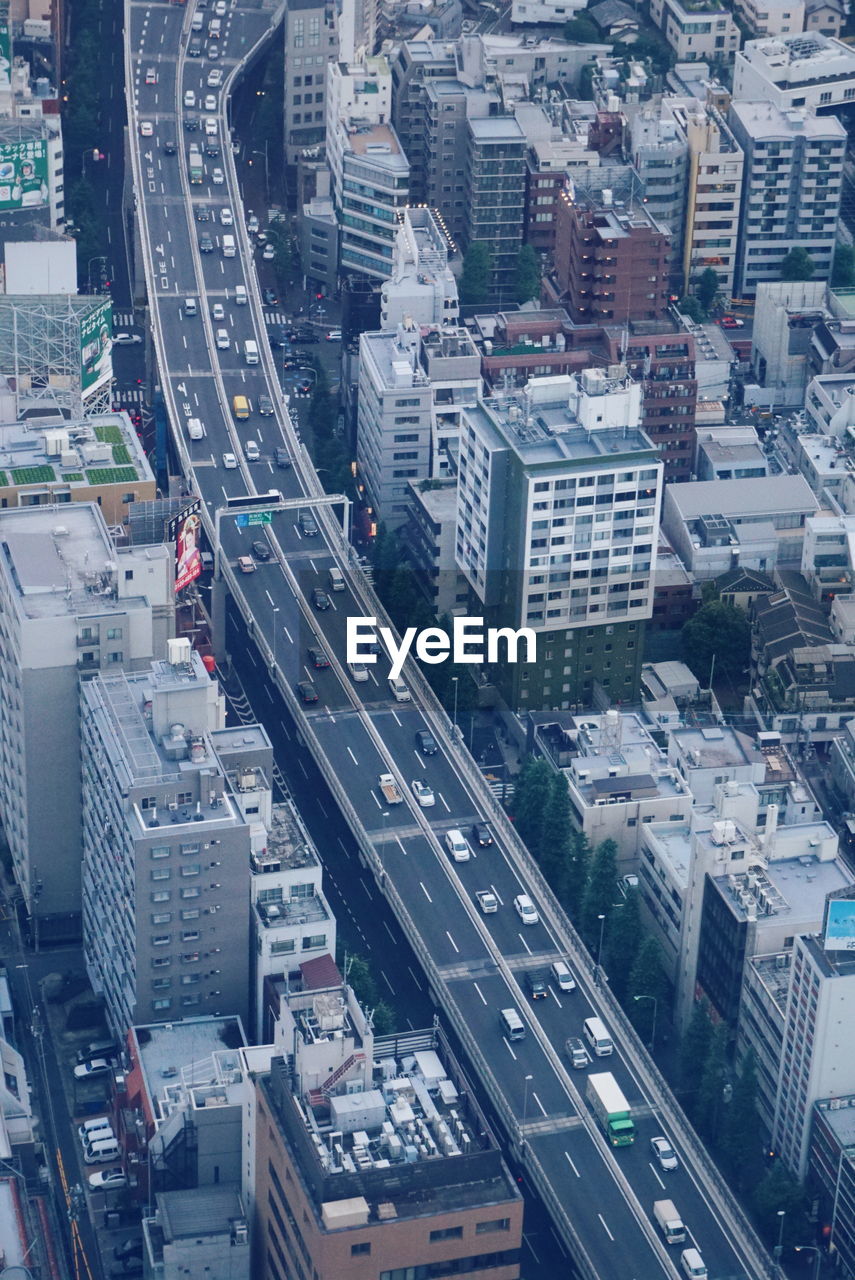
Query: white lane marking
x,y
414,978
389,931
571,1164
539,1103
442,798
364,884
284,729
394,713
605,1228
323,809
525,944
352,756
453,943
656,1176
425,892
480,992
498,897
376,801
388,983
270,598
509,1049
288,634
303,767
555,998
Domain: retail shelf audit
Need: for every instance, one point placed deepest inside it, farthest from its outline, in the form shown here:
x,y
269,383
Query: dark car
x,y
264,405
261,551
191,124
426,743
212,148
206,244
282,458
318,658
306,335
536,984
170,147
128,1249
308,524
481,834
194,49
320,599
277,336
305,388
203,213
307,691
269,298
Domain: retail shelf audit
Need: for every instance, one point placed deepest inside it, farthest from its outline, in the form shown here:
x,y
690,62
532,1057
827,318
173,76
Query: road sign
x,y
258,517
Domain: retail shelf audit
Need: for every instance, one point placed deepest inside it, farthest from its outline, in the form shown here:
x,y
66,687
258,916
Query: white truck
x,y
390,789
487,901
611,1109
669,1221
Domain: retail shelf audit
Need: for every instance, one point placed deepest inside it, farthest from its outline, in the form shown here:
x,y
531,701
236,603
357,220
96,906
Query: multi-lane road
x,y
601,1200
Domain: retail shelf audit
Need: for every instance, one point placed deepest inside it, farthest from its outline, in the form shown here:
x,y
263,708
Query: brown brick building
x,y
611,264
391,1175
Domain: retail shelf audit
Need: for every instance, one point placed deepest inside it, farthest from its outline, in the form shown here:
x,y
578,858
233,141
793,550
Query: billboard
x,y
840,925
185,530
5,46
23,169
96,347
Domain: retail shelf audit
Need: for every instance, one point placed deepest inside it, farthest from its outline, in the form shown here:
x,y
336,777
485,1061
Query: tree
x,y
556,841
742,1134
719,631
646,983
694,1050
690,307
843,271
707,287
577,874
709,1099
477,270
581,30
527,275
778,1190
531,795
599,893
798,265
622,941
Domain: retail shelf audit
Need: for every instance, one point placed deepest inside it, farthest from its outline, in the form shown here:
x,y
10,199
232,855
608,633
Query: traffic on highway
x,y
452,867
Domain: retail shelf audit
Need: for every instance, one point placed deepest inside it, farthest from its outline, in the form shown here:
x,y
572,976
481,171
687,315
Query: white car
x,y
215,78
664,1153
126,339
334,335
189,98
226,218
218,311
210,102
457,846
146,128
211,127
91,1070
525,909
269,253
252,224
107,1180
358,671
220,9
217,177
151,75
230,462
423,793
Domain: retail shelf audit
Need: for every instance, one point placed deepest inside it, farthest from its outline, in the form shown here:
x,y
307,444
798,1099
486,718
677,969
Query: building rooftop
x,y
439,503
14,1248
378,143
395,363
673,841
763,120
839,1115
180,1054
774,973
62,560
806,52
794,888
75,455
497,129
209,1211
286,847
744,497
714,747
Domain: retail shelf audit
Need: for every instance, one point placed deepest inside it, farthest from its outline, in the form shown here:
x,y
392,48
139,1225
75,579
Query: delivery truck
x,y
390,789
669,1222
611,1109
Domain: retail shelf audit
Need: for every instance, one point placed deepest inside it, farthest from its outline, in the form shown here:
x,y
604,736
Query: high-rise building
x,y
370,1170
804,70
310,43
612,263
558,520
495,203
662,359
166,845
793,181
71,605
422,286
660,155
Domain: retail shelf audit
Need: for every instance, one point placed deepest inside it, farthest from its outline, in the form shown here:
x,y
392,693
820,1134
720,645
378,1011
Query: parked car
x,y
126,339
731,322
252,223
307,691
269,253
108,1179
269,298
334,335
91,1070
261,551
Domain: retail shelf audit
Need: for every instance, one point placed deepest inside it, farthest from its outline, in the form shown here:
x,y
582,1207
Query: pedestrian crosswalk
x,y
275,317
123,319
133,395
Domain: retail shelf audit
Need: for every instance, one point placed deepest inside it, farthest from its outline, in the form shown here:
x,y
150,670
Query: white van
x,y
250,348
398,689
223,342
693,1264
562,977
240,295
198,22
211,127
598,1037
95,1130
358,671
512,1024
251,451
228,246
215,28
336,579
101,1151
190,308
195,430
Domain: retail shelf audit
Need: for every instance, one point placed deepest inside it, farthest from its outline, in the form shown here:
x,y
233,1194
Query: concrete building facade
x,y
310,41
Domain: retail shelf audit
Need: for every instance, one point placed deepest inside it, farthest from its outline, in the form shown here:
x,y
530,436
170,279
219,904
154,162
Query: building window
x,y
160,940
360,1250
162,895
447,1233
313,941
284,948
161,1004
190,893
494,1224
160,873
164,917
163,851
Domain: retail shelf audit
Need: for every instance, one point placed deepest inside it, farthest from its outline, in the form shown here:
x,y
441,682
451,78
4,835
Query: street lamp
x,y
528,1080
275,629
779,1247
811,1248
384,815
653,1028
454,682
602,920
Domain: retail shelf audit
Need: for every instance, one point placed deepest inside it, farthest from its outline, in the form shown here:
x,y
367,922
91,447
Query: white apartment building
x,y
772,17
696,30
808,70
422,286
71,605
311,43
785,316
543,12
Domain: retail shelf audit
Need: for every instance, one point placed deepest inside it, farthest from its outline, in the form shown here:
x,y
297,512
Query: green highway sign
x,y
259,517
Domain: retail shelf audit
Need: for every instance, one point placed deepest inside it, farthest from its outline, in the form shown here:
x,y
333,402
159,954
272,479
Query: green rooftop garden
x,y
121,456
72,477
33,475
112,475
109,434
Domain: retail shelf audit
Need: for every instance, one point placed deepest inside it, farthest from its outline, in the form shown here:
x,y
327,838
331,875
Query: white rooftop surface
x,y
743,497
674,842
719,745
12,1246
178,1045
803,889
763,120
